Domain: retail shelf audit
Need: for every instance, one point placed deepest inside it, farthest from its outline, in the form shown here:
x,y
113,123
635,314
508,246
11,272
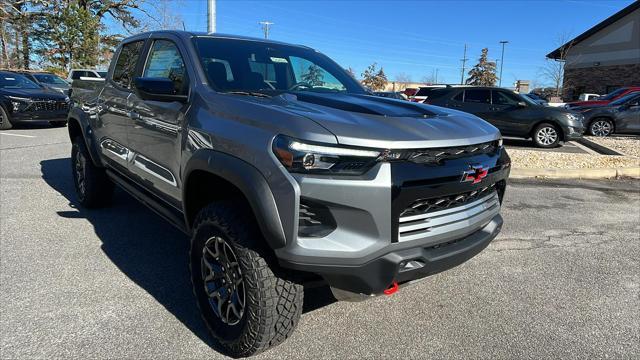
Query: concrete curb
x,y
521,173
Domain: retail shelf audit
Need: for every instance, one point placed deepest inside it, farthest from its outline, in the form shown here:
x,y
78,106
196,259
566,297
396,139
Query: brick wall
x,y
599,79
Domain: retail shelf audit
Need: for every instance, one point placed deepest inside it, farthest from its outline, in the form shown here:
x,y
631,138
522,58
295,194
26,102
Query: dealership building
x,y
603,58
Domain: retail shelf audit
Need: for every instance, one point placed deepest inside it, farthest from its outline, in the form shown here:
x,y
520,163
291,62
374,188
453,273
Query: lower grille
x,y
449,217
48,105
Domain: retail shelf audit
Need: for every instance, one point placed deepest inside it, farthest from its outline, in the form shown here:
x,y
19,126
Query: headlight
x,y
304,157
66,98
575,117
19,103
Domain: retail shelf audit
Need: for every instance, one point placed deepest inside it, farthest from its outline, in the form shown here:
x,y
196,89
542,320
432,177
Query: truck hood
x,y
42,93
371,121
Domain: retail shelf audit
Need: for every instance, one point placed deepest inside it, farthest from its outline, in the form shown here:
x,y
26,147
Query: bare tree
x,y
553,70
401,81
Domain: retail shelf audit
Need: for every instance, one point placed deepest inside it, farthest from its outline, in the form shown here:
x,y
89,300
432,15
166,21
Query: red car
x,y
604,100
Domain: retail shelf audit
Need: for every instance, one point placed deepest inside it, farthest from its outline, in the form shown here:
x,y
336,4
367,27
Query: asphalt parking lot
x,y
561,281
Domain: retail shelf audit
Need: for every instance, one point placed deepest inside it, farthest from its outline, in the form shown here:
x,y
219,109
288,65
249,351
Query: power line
x,y
266,25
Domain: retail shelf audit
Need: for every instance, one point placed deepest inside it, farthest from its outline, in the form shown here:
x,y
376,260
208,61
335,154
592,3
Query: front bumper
x,y
25,116
573,132
373,242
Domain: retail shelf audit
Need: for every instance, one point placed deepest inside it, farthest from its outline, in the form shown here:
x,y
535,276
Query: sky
x,y
416,38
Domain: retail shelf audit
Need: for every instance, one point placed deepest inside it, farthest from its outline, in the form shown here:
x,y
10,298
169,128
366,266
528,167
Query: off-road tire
x,y
273,301
546,128
97,189
5,123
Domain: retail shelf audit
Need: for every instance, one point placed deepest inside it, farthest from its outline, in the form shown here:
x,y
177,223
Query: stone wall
x,y
599,79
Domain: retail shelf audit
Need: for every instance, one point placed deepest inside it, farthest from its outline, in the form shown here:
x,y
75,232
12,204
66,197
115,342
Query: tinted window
x,y
16,81
613,94
166,62
505,98
425,91
126,65
233,65
477,96
626,99
75,75
50,79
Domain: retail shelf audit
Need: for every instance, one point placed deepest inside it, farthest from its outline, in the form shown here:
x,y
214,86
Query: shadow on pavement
x,y
148,249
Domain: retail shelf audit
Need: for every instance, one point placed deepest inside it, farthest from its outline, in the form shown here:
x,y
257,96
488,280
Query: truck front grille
x,y
437,155
449,216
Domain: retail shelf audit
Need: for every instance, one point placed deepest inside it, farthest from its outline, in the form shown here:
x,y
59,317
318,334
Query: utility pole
x,y
211,16
503,42
266,26
464,62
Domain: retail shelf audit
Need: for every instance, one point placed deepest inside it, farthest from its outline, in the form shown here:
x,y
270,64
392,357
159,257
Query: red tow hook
x,y
392,289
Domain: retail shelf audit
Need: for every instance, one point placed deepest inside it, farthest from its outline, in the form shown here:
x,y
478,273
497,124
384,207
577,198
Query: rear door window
x,y
125,68
477,96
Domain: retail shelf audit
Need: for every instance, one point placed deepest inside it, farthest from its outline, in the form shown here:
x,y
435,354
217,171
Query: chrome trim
x,y
170,179
448,223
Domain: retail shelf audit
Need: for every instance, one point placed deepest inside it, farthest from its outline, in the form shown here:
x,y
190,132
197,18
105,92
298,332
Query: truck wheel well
x,y
202,188
74,129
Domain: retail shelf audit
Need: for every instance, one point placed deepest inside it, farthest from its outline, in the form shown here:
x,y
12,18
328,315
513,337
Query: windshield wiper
x,y
248,93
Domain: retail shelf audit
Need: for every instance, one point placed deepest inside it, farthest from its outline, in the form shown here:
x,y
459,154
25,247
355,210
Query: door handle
x,y
133,115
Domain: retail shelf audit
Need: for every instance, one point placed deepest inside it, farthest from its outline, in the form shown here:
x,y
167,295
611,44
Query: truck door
x,y
112,124
157,125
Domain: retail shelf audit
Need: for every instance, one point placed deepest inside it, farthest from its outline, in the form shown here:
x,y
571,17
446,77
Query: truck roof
x,y
191,34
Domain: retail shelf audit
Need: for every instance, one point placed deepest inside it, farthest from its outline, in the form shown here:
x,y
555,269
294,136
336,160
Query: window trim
x,y
136,70
147,55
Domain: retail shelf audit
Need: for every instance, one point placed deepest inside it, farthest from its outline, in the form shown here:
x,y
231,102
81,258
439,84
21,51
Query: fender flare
x,y
249,180
80,117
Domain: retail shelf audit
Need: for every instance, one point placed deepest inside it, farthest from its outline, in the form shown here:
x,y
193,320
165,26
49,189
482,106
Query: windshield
x,y
612,94
233,65
49,79
526,98
16,81
623,100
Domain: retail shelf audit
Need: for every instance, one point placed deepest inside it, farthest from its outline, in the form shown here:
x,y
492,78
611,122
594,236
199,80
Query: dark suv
x,y
283,169
512,114
22,100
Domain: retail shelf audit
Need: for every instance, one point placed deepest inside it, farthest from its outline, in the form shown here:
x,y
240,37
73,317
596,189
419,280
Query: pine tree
x,y
313,76
484,72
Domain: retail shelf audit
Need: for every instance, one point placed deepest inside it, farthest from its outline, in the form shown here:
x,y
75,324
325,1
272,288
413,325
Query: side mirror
x,y
157,89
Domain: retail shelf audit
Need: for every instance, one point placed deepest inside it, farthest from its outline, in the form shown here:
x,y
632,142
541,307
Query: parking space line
x,y
19,135
584,148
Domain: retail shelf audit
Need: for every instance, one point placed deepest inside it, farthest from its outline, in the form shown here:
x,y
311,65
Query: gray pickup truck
x,y
284,171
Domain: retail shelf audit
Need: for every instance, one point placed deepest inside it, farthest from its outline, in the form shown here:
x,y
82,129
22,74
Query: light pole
x,y
503,42
211,16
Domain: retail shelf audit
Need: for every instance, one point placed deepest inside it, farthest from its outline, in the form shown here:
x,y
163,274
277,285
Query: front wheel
x,y
546,136
247,302
5,123
601,127
93,187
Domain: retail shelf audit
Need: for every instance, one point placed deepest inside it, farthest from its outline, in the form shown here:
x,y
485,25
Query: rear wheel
x,y
93,187
546,135
248,303
601,127
5,123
